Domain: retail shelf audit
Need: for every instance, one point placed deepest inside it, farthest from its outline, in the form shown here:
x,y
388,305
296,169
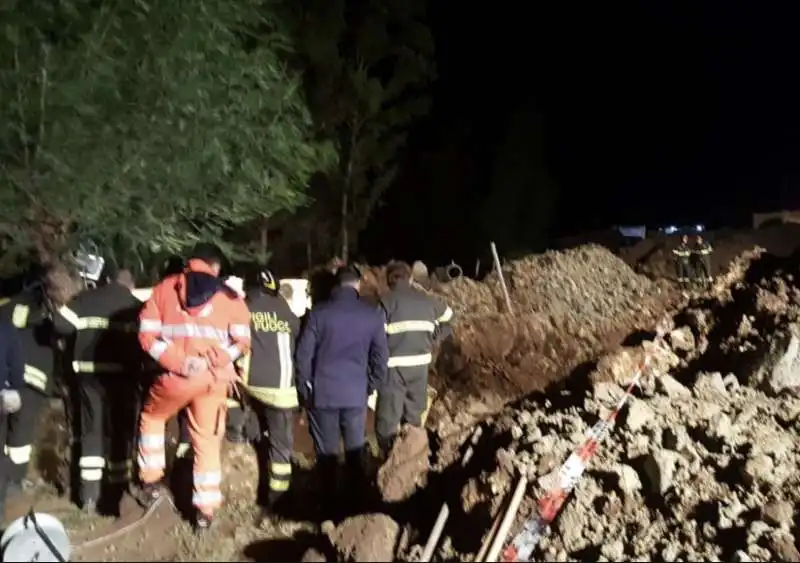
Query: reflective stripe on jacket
x,y
414,320
218,328
268,370
104,322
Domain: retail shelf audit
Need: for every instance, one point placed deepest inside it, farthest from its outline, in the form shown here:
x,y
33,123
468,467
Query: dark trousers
x,y
701,265
22,427
328,428
5,465
402,400
275,446
684,271
107,420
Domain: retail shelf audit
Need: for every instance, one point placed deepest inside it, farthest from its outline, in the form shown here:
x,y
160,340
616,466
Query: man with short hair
x,y
341,359
107,362
195,327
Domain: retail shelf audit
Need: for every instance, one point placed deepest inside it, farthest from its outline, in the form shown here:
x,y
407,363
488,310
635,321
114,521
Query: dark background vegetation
x,y
641,112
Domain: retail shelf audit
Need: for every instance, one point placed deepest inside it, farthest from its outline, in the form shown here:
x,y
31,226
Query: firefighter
x,y
235,431
683,266
414,321
29,312
195,327
107,363
269,379
12,383
341,358
701,262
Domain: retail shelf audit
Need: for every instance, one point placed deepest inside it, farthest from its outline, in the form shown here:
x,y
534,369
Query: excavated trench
x,y
748,329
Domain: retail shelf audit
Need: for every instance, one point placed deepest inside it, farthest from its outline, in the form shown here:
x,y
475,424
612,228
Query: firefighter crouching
x,y
683,266
29,313
12,382
269,379
107,363
195,327
701,262
414,320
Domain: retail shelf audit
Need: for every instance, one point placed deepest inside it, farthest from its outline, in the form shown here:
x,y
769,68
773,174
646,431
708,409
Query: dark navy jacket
x,y
12,366
342,352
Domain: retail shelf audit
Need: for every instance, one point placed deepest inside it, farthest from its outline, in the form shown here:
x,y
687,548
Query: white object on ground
x,y
22,542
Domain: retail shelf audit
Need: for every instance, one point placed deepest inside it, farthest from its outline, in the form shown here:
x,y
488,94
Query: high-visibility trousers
x,y
205,414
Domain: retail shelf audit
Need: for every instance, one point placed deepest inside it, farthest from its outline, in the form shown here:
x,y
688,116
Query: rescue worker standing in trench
x,y
12,382
195,328
683,266
414,321
341,359
269,378
107,363
701,262
29,312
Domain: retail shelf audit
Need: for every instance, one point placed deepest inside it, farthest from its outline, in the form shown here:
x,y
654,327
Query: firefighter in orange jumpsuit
x,y
195,327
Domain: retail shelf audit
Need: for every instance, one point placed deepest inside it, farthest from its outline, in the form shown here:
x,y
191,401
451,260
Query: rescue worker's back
x,y
195,328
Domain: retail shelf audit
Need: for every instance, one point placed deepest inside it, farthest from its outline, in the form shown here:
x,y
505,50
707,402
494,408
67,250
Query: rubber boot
x,y
356,484
385,444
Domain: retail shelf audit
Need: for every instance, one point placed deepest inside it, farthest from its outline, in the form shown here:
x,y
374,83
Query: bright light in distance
x,y
671,229
699,228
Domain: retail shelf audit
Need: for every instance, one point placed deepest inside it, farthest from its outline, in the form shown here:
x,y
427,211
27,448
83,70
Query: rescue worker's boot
x,y
356,483
385,445
150,493
90,496
328,468
235,435
202,522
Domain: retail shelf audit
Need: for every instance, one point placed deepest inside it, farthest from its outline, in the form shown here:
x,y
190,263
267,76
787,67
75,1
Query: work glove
x,y
218,357
194,366
10,401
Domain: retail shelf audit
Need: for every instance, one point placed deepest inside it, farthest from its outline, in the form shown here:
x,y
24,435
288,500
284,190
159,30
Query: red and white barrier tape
x,y
522,546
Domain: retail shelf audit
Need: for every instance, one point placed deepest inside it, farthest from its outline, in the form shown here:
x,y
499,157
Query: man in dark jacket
x,y
414,321
701,262
268,376
341,358
29,313
12,382
683,267
107,361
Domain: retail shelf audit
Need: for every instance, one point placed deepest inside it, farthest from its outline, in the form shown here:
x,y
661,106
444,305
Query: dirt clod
x,y
405,468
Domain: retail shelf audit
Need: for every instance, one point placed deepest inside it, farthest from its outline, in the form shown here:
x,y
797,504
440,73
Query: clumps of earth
x,y
702,463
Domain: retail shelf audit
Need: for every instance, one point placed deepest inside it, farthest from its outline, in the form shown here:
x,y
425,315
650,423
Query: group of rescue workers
x,y
199,345
693,262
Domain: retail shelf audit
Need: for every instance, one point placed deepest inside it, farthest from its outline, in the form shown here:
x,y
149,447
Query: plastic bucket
x,y
23,542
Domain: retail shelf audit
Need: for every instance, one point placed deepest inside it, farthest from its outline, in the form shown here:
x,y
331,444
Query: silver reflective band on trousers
x,y
23,542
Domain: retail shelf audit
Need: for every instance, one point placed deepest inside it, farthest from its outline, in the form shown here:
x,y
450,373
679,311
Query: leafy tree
x,y
146,126
517,210
369,65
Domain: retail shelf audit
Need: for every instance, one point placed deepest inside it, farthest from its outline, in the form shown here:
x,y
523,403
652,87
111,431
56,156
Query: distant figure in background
x,y
414,321
341,360
12,382
701,262
683,266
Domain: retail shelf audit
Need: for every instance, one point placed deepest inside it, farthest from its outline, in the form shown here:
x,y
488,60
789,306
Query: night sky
x,y
652,112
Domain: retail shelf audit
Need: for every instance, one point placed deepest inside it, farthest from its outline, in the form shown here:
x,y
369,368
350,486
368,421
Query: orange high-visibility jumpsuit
x,y
219,331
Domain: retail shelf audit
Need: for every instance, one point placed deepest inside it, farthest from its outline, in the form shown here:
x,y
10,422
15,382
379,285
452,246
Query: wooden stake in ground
x,y
502,279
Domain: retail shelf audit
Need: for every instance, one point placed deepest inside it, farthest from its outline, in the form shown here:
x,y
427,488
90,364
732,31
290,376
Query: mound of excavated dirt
x,y
570,307
701,464
366,537
407,465
654,258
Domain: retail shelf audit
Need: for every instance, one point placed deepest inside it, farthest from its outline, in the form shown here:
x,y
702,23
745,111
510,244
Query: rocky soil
x,y
702,463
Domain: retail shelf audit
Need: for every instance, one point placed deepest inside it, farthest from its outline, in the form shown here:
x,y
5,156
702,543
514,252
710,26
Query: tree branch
x,y
23,129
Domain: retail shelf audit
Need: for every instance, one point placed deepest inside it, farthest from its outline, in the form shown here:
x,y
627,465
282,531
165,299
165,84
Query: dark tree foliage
x,y
146,126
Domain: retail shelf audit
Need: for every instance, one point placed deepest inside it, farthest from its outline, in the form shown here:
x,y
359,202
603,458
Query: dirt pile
x,y
702,462
654,258
570,307
406,467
